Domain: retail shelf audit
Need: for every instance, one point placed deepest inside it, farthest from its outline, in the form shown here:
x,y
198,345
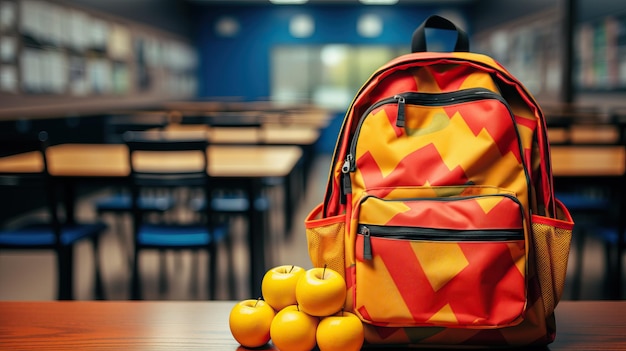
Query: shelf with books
x,y
52,53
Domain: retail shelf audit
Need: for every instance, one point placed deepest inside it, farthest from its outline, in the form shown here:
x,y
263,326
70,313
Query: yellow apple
x,y
293,330
321,292
279,286
250,322
342,331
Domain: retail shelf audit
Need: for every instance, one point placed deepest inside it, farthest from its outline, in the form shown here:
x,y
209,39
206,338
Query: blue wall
x,y
239,66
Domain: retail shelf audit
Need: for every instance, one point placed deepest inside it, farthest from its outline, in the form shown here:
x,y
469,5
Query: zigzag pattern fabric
x,y
441,191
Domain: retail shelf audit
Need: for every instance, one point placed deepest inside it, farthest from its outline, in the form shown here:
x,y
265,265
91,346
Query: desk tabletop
x,y
203,325
111,160
273,134
577,161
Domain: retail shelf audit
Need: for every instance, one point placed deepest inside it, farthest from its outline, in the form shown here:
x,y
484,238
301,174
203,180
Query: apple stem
x,y
324,272
291,268
257,301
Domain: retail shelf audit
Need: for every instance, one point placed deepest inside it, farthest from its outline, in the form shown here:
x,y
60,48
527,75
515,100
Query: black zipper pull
x,y
367,243
346,184
400,118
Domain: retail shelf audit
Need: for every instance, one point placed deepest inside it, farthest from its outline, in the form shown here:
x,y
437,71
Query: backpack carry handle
x,y
418,41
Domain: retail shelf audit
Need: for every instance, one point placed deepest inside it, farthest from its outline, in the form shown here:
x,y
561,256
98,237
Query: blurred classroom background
x,y
79,68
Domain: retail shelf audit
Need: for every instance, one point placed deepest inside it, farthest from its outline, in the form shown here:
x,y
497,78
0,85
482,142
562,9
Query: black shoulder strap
x,y
418,41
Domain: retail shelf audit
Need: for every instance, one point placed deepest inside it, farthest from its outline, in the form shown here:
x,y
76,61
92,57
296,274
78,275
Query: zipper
x,y
442,99
483,66
424,99
346,184
433,234
400,119
450,198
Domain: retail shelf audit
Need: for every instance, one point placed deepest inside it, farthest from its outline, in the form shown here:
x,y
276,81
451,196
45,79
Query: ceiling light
x,y
301,26
288,2
369,26
378,2
227,27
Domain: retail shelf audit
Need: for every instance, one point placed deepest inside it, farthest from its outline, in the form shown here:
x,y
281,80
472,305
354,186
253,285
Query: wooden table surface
x,y
111,160
583,161
203,325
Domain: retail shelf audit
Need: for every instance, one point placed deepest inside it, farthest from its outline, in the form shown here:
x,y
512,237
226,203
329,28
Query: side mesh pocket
x,y
325,240
552,238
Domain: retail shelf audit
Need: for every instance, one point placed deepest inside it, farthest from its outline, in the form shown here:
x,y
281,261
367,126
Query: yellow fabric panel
x,y
431,120
382,214
438,271
479,79
445,314
375,283
488,203
379,130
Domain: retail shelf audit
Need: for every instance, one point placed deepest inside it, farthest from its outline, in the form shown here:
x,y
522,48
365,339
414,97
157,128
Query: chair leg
x,y
578,268
121,234
99,286
264,221
65,264
162,272
231,264
194,272
610,280
212,270
135,288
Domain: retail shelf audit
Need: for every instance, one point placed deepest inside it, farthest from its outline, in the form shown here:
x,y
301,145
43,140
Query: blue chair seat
x,y
122,203
177,236
582,202
231,204
41,234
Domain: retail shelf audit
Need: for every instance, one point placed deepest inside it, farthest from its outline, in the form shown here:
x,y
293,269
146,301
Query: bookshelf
x,y
600,54
58,59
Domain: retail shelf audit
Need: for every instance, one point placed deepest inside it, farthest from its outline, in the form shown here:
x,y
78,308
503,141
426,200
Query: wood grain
x,y
203,325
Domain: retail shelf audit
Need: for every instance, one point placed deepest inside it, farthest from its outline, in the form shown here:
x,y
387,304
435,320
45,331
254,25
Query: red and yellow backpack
x,y
439,210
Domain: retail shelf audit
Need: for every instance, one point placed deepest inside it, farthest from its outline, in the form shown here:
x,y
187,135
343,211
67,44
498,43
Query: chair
x,y
177,161
233,203
47,231
255,121
118,203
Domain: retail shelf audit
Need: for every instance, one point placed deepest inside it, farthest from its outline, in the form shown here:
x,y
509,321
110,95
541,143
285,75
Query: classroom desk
x,y
241,166
203,325
270,134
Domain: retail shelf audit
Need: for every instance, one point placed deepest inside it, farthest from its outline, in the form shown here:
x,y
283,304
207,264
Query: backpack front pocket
x,y
450,262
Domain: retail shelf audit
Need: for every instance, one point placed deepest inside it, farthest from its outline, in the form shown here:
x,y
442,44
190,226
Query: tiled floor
x,y
30,276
